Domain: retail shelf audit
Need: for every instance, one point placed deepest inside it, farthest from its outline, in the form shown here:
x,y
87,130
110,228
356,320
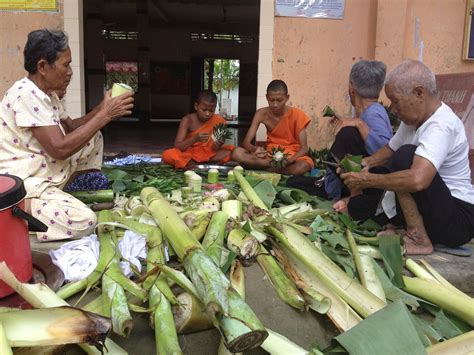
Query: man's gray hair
x,y
367,78
410,74
43,44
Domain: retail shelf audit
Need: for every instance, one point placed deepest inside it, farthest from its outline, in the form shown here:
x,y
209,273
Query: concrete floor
x,y
304,328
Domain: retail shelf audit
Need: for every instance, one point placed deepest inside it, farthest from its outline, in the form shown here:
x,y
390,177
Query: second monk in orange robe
x,y
193,141
286,127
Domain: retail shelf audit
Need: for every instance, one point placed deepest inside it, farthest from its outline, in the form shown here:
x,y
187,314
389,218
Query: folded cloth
x,y
132,246
77,259
129,160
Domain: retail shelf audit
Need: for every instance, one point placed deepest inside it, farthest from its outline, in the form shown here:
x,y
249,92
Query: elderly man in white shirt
x,y
426,167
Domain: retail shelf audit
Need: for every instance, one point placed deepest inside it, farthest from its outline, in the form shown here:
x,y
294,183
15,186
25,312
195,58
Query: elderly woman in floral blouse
x,y
42,145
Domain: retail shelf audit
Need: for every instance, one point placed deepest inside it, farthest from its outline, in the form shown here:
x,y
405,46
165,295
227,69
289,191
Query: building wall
x,y
14,28
314,56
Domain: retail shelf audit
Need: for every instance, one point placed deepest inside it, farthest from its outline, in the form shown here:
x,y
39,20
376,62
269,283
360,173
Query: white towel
x,y
388,205
77,259
133,248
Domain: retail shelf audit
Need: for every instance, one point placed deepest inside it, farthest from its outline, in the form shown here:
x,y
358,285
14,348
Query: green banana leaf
x,y
389,246
352,163
388,331
266,191
393,293
291,196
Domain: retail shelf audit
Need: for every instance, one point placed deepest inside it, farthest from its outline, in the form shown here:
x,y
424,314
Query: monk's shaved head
x,y
206,95
277,86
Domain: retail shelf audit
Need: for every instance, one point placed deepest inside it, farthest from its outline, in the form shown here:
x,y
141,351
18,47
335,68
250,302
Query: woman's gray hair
x,y
43,44
367,78
410,74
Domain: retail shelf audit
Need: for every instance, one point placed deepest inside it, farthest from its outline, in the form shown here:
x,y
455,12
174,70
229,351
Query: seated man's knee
x,y
403,157
299,167
347,134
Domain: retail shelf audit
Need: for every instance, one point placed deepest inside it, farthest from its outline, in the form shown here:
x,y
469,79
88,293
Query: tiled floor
x,y
144,138
139,138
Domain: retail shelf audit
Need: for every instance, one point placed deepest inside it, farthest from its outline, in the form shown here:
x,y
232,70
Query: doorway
x,y
222,77
172,43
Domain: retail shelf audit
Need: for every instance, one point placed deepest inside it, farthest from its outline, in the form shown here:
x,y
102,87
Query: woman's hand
x,y
118,106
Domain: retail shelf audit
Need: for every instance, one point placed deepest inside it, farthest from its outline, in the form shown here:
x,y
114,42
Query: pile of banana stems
x,y
205,239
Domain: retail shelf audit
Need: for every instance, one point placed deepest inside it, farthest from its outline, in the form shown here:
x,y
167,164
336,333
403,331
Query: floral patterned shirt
x,y
24,106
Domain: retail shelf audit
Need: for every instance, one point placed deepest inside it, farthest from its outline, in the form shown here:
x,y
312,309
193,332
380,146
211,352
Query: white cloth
x,y
441,139
133,248
77,259
388,205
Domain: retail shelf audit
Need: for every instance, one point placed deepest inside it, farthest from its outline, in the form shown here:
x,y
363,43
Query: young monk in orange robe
x,y
286,128
193,143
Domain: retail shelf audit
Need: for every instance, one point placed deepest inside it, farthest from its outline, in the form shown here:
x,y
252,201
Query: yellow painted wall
x,y
14,28
314,56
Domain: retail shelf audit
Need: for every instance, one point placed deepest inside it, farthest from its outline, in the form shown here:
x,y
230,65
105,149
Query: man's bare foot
x,y
340,206
389,229
416,244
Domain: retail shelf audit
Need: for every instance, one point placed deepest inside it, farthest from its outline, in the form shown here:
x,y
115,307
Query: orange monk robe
x,y
286,133
200,151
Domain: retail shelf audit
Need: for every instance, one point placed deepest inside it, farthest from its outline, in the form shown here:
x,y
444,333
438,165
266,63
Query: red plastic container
x,y
14,241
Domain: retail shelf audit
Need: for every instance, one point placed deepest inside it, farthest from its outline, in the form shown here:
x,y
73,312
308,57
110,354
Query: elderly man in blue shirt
x,y
363,135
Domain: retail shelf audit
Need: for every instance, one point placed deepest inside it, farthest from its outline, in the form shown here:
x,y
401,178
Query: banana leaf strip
x,y
274,178
391,251
393,293
266,191
290,196
388,331
230,258
341,257
427,334
320,225
368,229
448,325
318,202
352,163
